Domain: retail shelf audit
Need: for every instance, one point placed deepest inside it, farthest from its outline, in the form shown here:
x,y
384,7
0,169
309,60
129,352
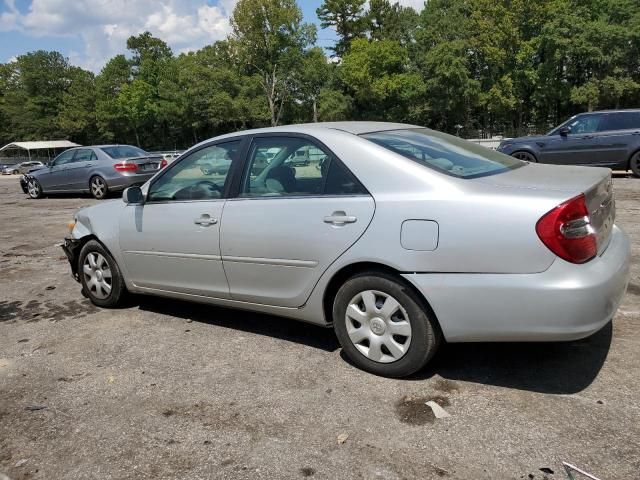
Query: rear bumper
x,y
124,181
565,302
71,248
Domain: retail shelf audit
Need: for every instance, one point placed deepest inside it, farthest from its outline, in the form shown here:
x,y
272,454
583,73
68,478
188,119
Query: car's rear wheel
x,y
526,156
98,187
15,172
382,325
634,164
34,189
100,276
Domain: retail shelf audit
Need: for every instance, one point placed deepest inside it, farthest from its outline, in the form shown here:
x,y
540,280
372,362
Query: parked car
x,y
300,158
23,167
96,169
405,238
603,139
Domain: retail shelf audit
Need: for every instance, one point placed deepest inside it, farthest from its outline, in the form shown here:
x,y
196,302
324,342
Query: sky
x,y
89,32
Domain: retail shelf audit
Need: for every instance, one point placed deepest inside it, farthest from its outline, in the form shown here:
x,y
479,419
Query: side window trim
x,y
242,151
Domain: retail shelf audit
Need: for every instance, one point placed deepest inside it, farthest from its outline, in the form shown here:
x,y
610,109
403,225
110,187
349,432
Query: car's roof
x,y
357,128
633,110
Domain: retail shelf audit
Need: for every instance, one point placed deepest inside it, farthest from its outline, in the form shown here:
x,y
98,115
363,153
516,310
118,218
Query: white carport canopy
x,y
43,145
39,145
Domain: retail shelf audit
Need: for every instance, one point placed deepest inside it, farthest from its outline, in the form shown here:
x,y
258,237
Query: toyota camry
x,y
397,236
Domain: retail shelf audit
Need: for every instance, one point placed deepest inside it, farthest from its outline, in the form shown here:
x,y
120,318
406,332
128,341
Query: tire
x,y
98,187
415,338
100,276
15,172
634,164
526,156
34,189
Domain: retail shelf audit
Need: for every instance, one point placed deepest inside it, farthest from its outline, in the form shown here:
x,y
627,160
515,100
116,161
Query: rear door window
x,y
84,155
621,121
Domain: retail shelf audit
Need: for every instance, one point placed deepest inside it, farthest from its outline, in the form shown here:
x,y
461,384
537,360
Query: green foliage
x,y
348,17
475,66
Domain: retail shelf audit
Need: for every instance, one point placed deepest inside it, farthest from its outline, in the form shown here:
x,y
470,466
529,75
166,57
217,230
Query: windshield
x,y
124,151
445,153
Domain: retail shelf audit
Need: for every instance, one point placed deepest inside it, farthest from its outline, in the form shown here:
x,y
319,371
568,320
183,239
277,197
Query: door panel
x,y
172,242
275,249
77,170
164,248
54,178
580,147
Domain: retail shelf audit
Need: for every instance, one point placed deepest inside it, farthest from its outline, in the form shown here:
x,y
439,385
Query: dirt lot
x,y
166,389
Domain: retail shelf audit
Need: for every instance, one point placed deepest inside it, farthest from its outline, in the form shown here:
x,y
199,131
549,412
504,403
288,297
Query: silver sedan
x,y
96,169
397,236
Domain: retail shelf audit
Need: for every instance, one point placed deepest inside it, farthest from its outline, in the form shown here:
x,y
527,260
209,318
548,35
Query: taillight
x,y
566,231
126,167
163,164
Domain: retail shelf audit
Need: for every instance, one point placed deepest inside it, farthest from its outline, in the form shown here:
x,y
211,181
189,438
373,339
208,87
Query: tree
x,y
135,104
314,74
383,85
77,112
347,17
392,21
269,38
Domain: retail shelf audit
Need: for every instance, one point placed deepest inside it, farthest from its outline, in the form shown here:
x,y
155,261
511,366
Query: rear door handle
x,y
205,220
340,218
587,137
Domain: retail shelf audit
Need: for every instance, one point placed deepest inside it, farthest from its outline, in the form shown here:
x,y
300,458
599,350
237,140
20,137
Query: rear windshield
x,y
445,153
124,151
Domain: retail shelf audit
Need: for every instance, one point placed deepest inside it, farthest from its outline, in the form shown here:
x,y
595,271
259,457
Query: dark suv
x,y
603,139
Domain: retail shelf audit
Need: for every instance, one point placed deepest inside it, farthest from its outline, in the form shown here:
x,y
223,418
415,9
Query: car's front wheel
x,y
98,187
526,156
383,326
634,164
34,189
100,276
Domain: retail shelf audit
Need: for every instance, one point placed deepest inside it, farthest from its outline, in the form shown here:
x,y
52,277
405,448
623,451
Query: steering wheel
x,y
207,183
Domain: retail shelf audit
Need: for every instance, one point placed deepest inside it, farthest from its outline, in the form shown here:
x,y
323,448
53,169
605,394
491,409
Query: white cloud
x,y
105,25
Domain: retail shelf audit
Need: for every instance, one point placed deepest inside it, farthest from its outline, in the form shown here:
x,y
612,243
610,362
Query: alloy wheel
x,y
98,187
33,188
97,275
378,326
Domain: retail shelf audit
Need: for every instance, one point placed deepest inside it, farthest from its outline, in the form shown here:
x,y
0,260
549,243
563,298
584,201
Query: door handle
x,y
89,165
205,220
340,218
587,137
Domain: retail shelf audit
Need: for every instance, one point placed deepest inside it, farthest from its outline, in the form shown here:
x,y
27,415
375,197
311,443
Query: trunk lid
x,y
146,164
568,181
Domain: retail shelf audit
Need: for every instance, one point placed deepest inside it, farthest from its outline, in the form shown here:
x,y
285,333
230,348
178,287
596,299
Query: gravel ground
x,y
167,389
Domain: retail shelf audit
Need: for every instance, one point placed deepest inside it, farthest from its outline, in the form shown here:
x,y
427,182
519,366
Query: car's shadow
x,y
556,368
260,324
550,367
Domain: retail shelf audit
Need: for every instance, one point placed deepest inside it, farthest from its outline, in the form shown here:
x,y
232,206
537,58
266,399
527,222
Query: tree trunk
x,y
135,130
315,111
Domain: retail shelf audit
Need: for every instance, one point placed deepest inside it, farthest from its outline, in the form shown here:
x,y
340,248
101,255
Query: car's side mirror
x,y
133,196
564,131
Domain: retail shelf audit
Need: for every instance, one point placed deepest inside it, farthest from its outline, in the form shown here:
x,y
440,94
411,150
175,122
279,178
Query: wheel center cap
x,y
378,326
98,275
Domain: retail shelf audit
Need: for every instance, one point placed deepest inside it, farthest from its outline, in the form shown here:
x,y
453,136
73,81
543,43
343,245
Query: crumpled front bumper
x,y
71,248
23,183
